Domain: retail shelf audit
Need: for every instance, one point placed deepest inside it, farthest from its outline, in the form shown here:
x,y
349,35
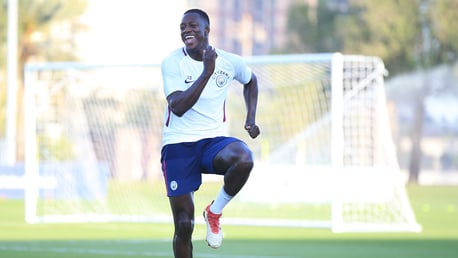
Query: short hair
x,y
200,12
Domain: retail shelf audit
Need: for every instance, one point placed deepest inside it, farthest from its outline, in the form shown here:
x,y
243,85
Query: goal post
x,y
325,156
331,144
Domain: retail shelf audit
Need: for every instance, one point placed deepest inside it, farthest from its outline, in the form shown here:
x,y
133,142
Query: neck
x,y
198,52
195,54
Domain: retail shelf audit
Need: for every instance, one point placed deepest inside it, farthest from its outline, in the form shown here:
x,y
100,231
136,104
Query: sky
x,y
130,31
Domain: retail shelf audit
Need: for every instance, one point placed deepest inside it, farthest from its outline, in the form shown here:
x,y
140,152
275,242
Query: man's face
x,y
194,31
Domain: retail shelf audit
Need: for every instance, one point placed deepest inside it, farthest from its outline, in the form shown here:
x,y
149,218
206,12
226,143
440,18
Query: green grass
x,y
436,209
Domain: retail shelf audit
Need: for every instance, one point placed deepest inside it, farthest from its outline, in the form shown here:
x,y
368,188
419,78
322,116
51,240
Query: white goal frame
x,y
340,183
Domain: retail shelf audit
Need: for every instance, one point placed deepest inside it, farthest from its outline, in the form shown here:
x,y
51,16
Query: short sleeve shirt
x,y
207,118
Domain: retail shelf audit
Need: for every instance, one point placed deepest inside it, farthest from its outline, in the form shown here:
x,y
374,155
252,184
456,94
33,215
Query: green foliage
x,y
395,30
391,30
311,29
326,29
55,149
3,32
39,18
3,93
444,24
300,27
36,19
2,105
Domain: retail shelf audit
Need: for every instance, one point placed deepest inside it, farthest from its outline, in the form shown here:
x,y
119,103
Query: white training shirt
x,y
207,118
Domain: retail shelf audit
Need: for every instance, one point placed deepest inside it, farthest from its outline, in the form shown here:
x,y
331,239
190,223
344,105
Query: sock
x,y
220,202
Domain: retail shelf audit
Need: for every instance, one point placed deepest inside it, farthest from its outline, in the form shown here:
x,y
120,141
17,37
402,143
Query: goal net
x,y
325,157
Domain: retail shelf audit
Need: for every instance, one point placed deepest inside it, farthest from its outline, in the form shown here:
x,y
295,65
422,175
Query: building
x,y
253,27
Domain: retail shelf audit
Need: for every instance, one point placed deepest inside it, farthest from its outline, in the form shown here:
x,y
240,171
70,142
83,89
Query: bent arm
x,y
181,101
250,94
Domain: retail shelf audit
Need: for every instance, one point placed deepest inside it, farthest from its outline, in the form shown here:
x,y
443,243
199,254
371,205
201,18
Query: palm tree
x,y
36,41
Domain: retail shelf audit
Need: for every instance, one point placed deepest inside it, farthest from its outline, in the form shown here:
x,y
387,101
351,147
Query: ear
x,y
207,30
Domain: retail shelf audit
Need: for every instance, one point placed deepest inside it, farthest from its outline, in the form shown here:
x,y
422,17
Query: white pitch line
x,y
121,252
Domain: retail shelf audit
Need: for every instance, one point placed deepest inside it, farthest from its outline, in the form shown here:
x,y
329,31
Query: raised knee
x,y
237,156
245,161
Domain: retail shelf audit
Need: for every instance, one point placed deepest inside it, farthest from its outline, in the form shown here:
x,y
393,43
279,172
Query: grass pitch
x,y
436,209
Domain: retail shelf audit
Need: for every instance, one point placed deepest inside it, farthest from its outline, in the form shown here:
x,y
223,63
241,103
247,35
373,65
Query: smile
x,y
189,39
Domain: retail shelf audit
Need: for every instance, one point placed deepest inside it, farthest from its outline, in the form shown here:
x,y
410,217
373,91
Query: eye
x,y
190,25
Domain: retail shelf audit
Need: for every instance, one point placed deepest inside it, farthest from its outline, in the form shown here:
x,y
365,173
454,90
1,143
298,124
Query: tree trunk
x,y
417,135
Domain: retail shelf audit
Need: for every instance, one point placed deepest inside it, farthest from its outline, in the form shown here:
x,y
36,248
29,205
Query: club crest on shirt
x,y
221,78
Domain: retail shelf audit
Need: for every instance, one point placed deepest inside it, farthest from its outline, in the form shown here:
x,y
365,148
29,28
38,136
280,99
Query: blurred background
x,y
417,40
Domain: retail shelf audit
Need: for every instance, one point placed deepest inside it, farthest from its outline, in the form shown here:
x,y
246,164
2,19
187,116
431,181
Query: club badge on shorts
x,y
173,185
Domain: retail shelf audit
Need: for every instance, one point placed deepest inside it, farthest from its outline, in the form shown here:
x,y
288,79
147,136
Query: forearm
x,y
182,101
250,93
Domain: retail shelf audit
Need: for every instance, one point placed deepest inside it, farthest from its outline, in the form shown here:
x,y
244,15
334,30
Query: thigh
x,y
228,152
233,153
212,150
181,168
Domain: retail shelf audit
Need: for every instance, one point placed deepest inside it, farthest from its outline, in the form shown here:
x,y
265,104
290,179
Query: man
x,y
196,80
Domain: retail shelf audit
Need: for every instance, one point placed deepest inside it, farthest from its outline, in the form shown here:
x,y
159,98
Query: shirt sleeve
x,y
242,70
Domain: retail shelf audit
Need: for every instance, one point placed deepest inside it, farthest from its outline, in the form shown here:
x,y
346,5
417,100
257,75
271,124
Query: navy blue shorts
x,y
184,163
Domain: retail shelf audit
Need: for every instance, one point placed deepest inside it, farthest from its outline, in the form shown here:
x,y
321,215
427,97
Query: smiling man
x,y
196,78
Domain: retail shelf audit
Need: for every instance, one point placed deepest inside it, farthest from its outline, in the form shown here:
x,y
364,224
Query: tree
x,y
444,21
3,30
436,45
312,28
406,34
300,28
419,34
389,29
394,30
37,19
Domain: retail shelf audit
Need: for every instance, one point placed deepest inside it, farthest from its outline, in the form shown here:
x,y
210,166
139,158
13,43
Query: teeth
x,y
189,37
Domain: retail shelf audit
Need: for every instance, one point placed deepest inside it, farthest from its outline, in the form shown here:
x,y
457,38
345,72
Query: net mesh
x,y
97,135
